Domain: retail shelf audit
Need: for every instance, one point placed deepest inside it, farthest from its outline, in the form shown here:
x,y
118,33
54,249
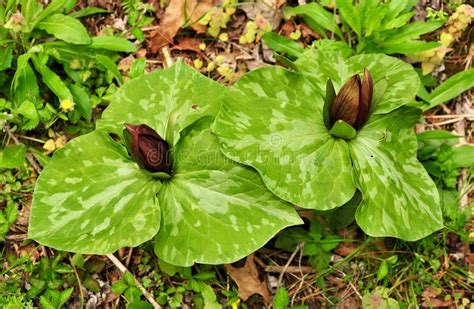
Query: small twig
x,y
124,269
290,269
78,282
453,120
16,237
129,257
29,155
450,116
280,278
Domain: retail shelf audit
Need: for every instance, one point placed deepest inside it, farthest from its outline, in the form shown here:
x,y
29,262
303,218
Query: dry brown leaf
x,y
174,18
430,298
247,280
188,44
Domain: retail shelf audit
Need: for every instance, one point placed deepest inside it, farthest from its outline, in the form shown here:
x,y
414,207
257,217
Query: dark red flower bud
x,y
148,148
352,103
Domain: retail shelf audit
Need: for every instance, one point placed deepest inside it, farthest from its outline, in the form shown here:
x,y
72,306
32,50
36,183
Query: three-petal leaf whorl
x,y
278,122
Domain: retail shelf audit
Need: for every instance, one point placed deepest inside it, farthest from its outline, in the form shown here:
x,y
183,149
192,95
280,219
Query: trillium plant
x,y
153,169
316,147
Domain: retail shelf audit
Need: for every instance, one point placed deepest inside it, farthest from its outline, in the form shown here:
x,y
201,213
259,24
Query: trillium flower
x,y
349,110
148,148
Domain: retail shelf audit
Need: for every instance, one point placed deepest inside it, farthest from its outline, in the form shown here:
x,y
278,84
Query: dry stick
x,y
280,277
124,269
78,282
290,269
29,155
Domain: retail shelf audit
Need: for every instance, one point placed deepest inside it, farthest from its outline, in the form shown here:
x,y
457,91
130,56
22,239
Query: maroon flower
x,y
148,148
352,103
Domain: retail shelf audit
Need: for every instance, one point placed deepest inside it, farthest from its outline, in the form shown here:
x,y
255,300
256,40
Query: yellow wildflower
x,y
67,105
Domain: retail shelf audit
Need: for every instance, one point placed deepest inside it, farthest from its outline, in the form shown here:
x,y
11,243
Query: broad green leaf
x,y
166,100
12,156
274,123
93,199
412,31
398,193
53,7
65,28
452,87
402,80
214,210
113,43
52,80
281,44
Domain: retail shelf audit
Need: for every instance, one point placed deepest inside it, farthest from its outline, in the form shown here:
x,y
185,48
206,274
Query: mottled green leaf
x,y
92,199
273,122
214,210
402,80
399,198
166,100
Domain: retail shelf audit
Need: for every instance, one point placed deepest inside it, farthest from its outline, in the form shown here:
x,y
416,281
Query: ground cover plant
x,y
328,260
41,46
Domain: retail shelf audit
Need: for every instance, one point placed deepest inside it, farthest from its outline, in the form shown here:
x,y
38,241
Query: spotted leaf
x,y
167,100
215,210
273,121
92,198
399,197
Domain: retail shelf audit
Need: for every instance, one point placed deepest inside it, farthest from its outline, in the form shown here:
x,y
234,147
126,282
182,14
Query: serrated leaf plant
x,y
273,121
95,197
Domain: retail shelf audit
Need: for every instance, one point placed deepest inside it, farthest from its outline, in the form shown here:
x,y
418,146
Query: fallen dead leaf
x,y
248,281
188,44
174,18
430,298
